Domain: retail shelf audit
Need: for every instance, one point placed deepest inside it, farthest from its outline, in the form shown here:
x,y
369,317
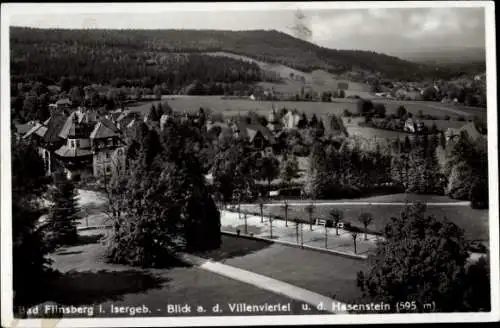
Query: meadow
x,y
231,107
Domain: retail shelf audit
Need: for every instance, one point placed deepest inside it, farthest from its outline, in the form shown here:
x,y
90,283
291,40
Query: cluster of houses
x,y
81,142
84,143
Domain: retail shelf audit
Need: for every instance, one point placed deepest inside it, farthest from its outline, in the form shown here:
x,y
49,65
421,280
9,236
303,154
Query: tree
x,y
379,109
261,208
354,235
30,264
268,169
63,216
364,107
302,123
285,208
401,111
366,219
478,194
422,259
314,122
271,226
336,216
167,206
310,209
289,169
460,182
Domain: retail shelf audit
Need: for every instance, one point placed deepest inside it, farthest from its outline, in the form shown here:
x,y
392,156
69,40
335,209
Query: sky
x,y
390,30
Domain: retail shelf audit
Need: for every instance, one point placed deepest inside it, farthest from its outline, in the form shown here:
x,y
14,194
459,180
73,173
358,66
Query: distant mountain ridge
x,y
450,55
269,46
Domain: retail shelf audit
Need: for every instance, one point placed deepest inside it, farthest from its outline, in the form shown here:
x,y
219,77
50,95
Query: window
x,y
78,143
120,152
108,155
110,142
108,169
72,143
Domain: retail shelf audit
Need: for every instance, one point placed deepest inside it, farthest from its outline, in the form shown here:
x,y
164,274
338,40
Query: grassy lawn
x,y
86,279
474,222
326,274
231,107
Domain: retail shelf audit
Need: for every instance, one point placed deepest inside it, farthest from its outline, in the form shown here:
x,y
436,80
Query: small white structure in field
x,y
252,97
274,193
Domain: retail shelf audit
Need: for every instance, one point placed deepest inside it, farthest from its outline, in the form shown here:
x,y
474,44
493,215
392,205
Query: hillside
x,y
267,46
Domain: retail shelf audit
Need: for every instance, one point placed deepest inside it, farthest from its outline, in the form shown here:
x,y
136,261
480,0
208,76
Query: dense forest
x,y
102,55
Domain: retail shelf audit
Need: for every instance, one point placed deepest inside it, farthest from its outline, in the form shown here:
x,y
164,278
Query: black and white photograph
x,y
214,164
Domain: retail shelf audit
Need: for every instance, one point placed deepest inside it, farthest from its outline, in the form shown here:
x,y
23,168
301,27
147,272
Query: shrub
x,y
446,117
300,150
379,110
461,118
346,113
478,194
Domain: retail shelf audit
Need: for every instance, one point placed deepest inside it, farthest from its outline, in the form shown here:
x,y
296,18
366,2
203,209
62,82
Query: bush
x,y
346,113
477,247
447,117
478,194
379,110
300,150
461,118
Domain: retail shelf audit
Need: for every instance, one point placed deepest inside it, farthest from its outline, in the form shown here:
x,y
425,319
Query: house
x,y
80,143
291,119
470,129
413,126
259,136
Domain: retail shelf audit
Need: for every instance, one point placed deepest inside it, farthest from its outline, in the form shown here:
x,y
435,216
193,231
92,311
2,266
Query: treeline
x,y
269,46
49,62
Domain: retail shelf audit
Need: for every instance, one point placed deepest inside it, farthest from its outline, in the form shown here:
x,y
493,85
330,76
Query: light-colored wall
x,y
109,159
83,143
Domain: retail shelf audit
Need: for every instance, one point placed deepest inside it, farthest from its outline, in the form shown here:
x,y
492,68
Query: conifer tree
x,y
63,216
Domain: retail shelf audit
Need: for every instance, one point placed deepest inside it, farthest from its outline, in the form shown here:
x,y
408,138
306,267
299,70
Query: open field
x,y
474,222
231,107
319,80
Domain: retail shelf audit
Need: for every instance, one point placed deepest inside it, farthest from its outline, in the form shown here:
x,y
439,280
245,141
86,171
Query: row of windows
x,y
108,142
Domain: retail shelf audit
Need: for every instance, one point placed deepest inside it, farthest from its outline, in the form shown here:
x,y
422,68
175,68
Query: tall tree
x,y
29,251
63,215
289,169
422,259
268,168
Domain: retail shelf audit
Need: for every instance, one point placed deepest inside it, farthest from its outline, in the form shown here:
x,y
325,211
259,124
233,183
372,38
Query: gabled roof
x,y
250,131
66,151
33,130
104,129
54,125
24,128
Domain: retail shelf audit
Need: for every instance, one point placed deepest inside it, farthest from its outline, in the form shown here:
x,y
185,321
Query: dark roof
x,y
250,131
23,128
65,151
104,129
54,126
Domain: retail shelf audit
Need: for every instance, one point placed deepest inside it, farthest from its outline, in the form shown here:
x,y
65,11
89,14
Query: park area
x,y
86,279
474,222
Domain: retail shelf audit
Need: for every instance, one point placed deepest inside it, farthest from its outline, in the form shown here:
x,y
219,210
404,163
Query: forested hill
x,y
33,45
